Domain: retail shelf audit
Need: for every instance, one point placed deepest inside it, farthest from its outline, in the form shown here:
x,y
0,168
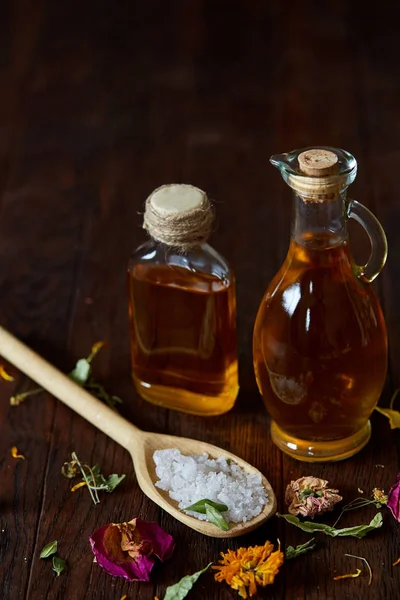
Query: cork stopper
x,y
318,163
178,215
177,198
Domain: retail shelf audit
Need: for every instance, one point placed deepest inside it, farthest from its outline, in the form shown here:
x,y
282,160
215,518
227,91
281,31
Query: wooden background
x,y
100,103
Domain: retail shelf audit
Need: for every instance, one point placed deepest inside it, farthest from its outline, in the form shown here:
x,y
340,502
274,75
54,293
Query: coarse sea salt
x,y
189,479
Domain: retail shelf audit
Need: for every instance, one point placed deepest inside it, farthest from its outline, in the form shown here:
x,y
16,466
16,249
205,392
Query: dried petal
x,y
15,453
128,549
78,485
310,496
397,562
4,375
348,575
393,501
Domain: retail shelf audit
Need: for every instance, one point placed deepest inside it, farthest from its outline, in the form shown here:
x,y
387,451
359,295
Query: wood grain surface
x,y
100,103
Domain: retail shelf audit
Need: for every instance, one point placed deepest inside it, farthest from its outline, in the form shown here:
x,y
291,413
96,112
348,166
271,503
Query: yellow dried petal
x,y
4,375
392,415
16,454
123,597
396,563
97,346
77,486
348,575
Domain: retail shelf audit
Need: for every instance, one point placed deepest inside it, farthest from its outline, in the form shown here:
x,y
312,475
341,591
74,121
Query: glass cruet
x,y
320,342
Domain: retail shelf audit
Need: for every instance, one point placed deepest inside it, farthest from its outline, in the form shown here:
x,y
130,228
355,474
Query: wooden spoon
x,y
140,444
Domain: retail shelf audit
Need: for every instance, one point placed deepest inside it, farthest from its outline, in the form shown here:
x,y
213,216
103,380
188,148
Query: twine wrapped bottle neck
x,y
178,215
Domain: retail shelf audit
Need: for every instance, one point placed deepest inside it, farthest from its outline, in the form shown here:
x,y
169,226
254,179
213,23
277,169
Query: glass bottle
x,y
182,308
320,343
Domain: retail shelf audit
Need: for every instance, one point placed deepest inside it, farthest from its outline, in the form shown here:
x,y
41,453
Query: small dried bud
x,y
70,469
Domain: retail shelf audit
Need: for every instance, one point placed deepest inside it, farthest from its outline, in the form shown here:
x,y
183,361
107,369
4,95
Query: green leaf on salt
x,y
214,516
200,506
358,531
181,589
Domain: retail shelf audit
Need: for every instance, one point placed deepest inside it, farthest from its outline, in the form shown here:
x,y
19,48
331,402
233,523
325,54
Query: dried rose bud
x,y
393,501
128,549
310,496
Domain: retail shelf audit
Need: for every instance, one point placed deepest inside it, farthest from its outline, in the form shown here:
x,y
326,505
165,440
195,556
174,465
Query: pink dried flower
x,y
393,501
310,496
128,549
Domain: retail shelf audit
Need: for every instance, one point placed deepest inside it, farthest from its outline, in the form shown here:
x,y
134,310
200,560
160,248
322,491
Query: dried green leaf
x,y
112,482
214,516
94,479
181,589
49,549
292,552
358,531
58,565
200,506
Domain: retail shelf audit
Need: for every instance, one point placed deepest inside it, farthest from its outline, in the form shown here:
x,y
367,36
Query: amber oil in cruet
x,y
320,345
182,308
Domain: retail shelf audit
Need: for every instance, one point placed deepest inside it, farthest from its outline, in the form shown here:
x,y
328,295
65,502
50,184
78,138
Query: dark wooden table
x,y
101,103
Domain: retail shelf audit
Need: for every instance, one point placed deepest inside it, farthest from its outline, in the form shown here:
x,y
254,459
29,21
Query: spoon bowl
x,y
140,444
145,469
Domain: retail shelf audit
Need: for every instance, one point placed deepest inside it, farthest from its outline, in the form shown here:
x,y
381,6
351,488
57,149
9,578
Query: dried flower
x,y
91,476
379,496
70,470
247,568
310,496
15,453
393,500
397,562
128,549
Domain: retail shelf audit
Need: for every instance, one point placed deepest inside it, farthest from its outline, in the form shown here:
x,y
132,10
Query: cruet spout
x,y
280,161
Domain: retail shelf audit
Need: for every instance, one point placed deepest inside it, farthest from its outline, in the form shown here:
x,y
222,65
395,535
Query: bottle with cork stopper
x,y
182,308
320,343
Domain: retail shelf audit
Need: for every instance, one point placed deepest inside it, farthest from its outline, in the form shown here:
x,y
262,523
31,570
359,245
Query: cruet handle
x,y
377,237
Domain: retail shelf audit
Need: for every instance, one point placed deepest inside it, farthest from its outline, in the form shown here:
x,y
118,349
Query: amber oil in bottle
x,y
320,344
182,309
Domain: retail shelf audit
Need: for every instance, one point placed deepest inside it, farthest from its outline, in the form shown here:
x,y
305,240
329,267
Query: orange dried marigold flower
x,y
248,568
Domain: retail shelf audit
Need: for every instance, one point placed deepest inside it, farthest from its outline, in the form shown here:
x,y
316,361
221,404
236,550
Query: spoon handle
x,y
66,390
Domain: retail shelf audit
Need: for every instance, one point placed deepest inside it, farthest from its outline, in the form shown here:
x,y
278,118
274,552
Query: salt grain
x,y
189,479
